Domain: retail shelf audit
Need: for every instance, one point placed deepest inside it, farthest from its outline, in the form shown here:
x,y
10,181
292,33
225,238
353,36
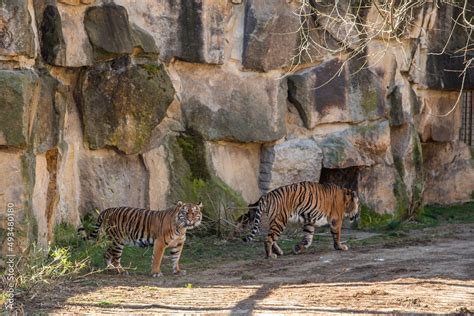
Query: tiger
x,y
143,228
313,203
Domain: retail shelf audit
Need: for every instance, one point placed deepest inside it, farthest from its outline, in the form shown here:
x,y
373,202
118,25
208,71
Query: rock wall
x,y
143,103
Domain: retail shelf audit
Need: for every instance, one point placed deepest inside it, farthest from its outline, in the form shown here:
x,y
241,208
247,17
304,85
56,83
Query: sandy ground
x,y
431,272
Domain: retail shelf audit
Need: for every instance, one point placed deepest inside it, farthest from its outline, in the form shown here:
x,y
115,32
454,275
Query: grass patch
x,y
105,303
429,216
434,214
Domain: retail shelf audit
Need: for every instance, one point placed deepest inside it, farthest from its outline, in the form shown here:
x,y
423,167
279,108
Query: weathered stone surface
x,y
362,145
76,2
108,180
156,163
70,148
16,32
52,41
333,25
400,98
15,185
109,31
441,57
190,30
376,186
270,34
39,201
78,50
222,105
193,178
408,161
45,196
238,166
433,125
143,40
448,172
448,35
16,92
44,126
292,161
122,103
322,97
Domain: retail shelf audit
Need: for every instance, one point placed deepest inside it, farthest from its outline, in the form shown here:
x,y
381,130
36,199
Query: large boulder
x,y
190,30
44,128
449,175
359,145
291,161
70,149
270,34
109,31
408,161
323,95
16,93
16,32
377,188
223,105
442,59
64,41
440,117
242,177
122,103
157,167
16,183
390,63
108,179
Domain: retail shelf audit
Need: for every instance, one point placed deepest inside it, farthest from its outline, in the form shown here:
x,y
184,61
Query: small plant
x,y
105,303
188,285
37,269
247,276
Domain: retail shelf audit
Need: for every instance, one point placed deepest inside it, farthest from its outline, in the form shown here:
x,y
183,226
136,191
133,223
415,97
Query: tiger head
x,y
351,204
189,214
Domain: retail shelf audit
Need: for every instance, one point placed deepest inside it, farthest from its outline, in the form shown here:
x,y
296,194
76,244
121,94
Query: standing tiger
x,y
311,202
141,227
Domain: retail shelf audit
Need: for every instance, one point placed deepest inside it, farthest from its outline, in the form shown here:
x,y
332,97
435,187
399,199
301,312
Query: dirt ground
x,y
431,271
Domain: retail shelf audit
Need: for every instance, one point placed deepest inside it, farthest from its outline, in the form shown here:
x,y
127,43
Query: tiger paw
x,y
157,275
343,247
272,256
180,273
297,249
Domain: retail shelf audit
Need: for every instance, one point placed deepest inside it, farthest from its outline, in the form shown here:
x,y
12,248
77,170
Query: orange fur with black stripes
x,y
141,227
312,203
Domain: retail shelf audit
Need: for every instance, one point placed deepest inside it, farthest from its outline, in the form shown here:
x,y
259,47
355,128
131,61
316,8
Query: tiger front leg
x,y
270,245
175,255
336,235
158,251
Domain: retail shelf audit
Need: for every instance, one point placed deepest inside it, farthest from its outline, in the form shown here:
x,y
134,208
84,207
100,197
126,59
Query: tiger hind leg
x,y
277,250
308,232
113,255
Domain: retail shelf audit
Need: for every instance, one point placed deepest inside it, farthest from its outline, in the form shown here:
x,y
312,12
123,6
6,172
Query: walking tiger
x,y
313,203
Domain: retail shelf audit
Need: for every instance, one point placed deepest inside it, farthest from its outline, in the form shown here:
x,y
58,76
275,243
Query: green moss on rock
x,y
192,180
369,100
15,95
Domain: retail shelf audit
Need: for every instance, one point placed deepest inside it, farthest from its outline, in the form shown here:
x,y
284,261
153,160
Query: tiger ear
x,y
200,204
179,203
